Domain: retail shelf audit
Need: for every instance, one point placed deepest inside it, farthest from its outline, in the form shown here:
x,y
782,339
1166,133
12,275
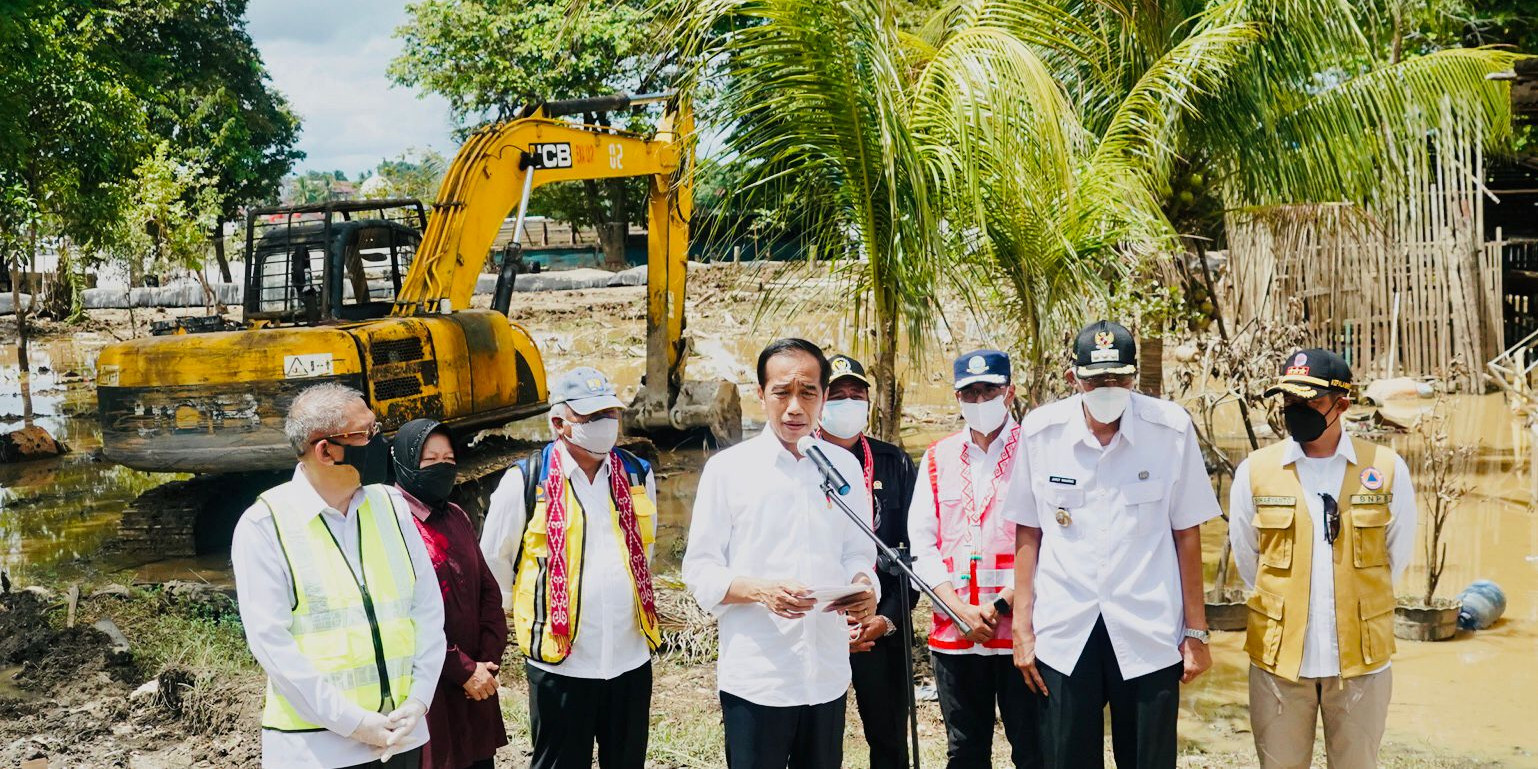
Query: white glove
x,y
374,730
402,720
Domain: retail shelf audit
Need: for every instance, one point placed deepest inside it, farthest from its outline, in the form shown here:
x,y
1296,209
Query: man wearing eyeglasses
x,y
338,598
1322,524
1109,493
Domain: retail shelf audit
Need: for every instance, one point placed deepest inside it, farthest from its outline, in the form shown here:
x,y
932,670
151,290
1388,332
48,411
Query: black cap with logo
x,y
1104,348
845,367
1311,373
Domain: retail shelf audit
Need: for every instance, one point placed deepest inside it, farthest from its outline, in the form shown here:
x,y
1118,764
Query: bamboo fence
x,y
1340,269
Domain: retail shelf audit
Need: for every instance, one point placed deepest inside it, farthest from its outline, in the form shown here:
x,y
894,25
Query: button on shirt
x,y
759,513
924,523
609,642
1321,642
265,588
1115,557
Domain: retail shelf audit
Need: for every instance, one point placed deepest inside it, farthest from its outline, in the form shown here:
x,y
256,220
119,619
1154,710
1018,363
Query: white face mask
x,y
845,418
987,416
1106,404
597,436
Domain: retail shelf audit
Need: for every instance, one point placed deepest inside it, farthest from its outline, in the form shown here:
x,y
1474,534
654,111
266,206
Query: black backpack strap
x,y
533,472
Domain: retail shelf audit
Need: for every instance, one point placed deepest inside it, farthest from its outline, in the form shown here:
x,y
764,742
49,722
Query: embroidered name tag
x,y
1263,501
1064,481
1371,499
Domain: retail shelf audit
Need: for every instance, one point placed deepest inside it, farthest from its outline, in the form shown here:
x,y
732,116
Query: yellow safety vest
x,y
1364,590
358,633
531,627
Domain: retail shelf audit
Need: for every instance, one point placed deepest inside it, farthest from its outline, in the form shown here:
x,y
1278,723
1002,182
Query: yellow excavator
x,y
360,292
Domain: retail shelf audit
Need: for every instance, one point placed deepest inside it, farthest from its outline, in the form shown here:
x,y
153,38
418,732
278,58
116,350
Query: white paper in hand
x,y
826,595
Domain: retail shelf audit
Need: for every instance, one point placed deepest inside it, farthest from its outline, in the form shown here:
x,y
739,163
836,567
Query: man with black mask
x,y
1321,524
330,561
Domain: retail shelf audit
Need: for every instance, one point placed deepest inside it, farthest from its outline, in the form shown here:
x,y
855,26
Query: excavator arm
x,y
493,174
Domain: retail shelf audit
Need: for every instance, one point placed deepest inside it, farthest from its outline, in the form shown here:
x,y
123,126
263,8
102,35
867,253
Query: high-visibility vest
x,y
531,626
356,630
978,571
1364,589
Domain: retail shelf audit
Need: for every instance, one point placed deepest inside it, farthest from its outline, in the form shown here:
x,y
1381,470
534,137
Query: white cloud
x,y
329,58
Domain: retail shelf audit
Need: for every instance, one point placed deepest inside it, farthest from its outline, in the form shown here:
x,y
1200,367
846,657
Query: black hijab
x,y
424,483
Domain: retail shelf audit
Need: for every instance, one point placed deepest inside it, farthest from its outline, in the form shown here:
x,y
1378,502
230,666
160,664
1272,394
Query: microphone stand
x,y
895,562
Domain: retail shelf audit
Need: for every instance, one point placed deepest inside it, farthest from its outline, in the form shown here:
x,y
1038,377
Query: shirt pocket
x,y
1055,499
1273,528
1369,545
1143,504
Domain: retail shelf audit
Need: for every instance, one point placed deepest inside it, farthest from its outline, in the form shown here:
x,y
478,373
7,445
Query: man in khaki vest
x,y
1322,524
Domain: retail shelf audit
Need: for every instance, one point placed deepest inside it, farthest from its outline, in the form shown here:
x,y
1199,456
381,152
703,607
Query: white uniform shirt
x,y
1321,643
1116,557
924,524
759,513
265,589
609,642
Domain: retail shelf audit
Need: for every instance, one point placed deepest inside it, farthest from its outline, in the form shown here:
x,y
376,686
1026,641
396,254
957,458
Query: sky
x,y
329,58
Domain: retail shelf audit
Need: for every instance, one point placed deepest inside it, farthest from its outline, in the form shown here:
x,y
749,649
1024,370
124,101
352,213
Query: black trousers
x,y
411,759
1143,711
799,737
881,687
970,687
567,715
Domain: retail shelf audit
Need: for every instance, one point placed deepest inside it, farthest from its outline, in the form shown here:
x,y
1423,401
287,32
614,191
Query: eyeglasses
x,y
372,431
1108,380
1331,518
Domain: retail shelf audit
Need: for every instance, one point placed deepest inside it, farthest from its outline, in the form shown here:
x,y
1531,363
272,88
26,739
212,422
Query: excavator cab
x,y
336,261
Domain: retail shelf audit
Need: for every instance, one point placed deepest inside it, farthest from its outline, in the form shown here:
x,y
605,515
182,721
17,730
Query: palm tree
x,y
1248,102
897,154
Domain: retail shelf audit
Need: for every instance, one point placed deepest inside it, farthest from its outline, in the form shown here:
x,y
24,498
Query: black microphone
x,y
808,448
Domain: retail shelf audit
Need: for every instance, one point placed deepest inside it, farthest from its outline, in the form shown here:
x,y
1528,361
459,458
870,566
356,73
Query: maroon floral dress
x,y
462,731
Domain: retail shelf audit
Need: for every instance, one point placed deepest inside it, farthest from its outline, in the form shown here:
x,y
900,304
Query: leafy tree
x,y
172,203
490,58
415,173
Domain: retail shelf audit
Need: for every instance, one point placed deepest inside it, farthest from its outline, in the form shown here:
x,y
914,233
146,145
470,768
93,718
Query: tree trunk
x,y
1150,366
224,264
888,391
619,226
23,367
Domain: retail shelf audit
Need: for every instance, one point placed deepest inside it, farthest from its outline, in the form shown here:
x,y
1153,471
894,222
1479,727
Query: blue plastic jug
x,y
1483,604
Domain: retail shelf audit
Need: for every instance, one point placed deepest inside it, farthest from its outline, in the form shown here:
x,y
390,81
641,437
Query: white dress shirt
x,y
759,513
1321,643
1116,556
609,642
265,588
924,524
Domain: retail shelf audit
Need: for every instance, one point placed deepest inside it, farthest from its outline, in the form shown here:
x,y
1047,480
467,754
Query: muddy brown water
x,y
1476,695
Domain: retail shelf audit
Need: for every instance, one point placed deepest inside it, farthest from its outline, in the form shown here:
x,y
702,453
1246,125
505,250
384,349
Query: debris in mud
x,y
29,443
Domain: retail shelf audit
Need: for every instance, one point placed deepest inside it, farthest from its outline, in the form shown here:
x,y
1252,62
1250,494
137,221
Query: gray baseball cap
x,y
584,390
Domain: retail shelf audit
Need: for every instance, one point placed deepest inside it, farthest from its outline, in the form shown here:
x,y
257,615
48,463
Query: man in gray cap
x,y
568,536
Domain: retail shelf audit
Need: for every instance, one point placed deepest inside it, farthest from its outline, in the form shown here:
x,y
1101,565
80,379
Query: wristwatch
x,y
1000,605
891,627
1200,635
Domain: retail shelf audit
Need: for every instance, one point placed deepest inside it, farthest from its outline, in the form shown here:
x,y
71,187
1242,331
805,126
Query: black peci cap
x,y
1311,373
1104,347
845,367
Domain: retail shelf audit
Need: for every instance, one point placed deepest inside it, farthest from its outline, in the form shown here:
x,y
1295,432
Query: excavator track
x,y
198,515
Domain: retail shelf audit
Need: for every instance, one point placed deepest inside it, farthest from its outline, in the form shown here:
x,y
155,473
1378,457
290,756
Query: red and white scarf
x,y
555,527
974,511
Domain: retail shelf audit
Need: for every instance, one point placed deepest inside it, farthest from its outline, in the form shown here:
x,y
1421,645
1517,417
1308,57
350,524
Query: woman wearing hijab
x,y
465,722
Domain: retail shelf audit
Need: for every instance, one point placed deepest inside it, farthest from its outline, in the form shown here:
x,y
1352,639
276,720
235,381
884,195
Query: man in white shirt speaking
x,y
1321,524
768,555
1109,492
338,598
569,535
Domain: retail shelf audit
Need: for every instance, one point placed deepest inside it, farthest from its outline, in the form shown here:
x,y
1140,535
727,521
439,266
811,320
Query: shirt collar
x,y
998,440
1078,424
1344,448
772,449
573,471
304,502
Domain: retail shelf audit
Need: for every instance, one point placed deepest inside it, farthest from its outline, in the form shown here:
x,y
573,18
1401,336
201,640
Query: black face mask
x,y
1304,424
430,484
371,460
